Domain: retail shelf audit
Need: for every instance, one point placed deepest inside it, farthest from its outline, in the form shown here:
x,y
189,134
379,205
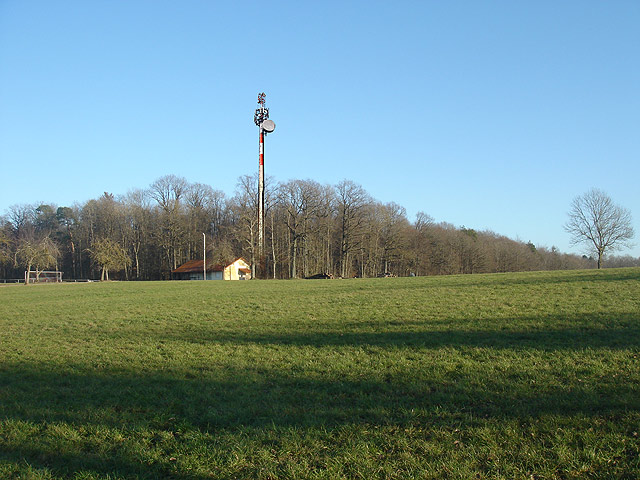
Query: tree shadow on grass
x,y
257,397
262,397
588,333
70,465
540,278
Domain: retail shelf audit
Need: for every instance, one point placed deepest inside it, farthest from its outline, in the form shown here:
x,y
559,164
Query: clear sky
x,y
492,115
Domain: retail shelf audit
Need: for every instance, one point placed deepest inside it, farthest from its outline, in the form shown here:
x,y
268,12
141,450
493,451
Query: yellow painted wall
x,y
231,271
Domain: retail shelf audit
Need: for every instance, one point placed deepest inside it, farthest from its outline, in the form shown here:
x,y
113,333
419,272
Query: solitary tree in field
x,y
595,221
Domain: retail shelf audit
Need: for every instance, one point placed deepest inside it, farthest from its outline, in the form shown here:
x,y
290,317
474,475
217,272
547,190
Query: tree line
x,y
311,229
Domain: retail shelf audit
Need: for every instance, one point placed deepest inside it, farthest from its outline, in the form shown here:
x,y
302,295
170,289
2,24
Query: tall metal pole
x,y
261,195
261,119
204,256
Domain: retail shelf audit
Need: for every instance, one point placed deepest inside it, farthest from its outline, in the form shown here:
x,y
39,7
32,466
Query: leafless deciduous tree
x,y
169,191
311,230
110,256
301,200
598,223
138,224
38,254
245,209
352,202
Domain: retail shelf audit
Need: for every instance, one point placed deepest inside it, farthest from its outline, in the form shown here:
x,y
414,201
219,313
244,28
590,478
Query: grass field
x,y
532,376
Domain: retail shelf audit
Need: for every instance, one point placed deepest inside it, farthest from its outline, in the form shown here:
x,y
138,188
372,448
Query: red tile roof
x,y
196,266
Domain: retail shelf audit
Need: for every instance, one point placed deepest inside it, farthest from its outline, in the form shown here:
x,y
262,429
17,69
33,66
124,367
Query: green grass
x,y
532,376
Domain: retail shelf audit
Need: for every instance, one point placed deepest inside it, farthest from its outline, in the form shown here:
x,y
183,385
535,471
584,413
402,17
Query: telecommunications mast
x,y
261,119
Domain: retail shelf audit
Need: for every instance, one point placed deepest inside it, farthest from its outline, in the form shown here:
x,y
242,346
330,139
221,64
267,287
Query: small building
x,y
239,269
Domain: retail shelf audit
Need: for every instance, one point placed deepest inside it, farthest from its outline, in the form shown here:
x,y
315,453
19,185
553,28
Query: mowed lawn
x,y
531,376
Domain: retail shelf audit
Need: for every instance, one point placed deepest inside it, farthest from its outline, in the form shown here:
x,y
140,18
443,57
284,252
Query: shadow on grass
x,y
588,332
263,399
212,401
83,462
574,339
540,278
257,397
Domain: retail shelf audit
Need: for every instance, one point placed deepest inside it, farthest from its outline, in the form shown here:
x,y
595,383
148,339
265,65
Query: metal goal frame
x,y
45,276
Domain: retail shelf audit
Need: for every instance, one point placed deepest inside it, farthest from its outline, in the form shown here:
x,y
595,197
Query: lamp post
x,y
261,119
204,256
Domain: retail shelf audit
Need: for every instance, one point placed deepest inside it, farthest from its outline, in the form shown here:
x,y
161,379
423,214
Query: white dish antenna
x,y
268,126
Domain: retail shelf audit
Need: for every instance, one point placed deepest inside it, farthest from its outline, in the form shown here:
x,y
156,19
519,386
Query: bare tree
x,y
110,256
139,225
301,200
245,208
169,191
67,220
310,229
598,223
204,213
351,202
39,254
393,221
22,219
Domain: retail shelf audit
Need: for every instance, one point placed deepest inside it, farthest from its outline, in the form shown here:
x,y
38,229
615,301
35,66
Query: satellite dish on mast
x,y
268,126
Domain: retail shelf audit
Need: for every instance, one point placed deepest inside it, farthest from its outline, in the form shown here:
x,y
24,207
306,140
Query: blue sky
x,y
492,115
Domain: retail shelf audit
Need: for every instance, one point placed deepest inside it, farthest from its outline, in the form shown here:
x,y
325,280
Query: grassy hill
x,y
531,375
